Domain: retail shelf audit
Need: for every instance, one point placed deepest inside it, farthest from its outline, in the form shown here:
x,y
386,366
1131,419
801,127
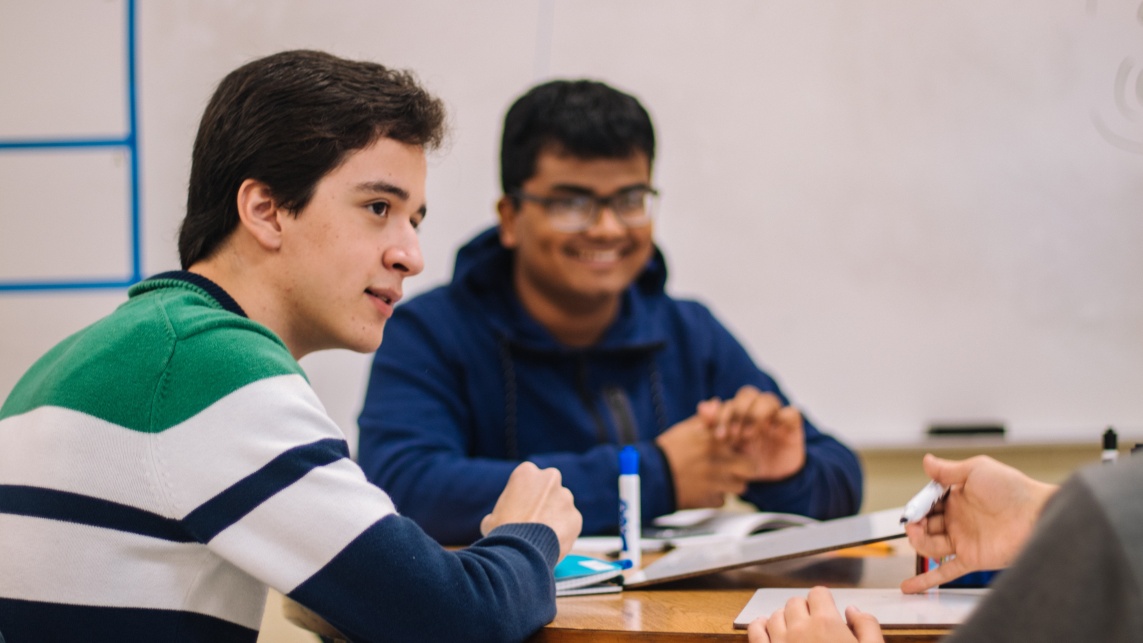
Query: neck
x,y
255,295
576,322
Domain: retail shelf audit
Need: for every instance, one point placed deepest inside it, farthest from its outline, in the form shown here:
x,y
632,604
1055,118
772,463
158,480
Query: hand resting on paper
x,y
815,619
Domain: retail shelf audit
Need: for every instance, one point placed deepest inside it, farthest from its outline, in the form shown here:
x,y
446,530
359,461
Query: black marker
x,y
1110,447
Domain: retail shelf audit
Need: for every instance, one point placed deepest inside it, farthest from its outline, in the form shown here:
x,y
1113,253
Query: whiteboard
x,y
908,212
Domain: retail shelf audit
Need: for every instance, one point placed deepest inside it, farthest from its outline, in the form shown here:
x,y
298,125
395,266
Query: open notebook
x,y
695,527
938,608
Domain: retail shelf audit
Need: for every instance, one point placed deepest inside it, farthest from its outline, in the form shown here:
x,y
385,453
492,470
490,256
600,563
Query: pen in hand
x,y
923,502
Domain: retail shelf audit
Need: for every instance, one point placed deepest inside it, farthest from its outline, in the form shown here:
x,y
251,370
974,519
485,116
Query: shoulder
x,y
430,302
689,315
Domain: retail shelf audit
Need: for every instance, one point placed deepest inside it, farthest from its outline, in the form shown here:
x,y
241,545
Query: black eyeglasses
x,y
634,207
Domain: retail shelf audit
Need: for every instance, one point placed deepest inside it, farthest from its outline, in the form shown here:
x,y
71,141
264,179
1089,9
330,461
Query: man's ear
x,y
258,214
508,211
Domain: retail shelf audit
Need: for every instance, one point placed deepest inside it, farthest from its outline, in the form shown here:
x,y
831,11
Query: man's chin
x,y
366,343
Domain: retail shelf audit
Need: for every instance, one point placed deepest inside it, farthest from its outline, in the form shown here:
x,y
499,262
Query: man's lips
x,y
386,295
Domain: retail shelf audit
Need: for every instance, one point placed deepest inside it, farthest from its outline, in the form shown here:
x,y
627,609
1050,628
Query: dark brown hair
x,y
584,118
287,120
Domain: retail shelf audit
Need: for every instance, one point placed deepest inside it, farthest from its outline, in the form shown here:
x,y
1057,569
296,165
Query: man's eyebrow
x,y
383,187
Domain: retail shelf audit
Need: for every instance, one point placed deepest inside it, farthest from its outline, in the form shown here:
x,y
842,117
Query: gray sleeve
x,y
1073,581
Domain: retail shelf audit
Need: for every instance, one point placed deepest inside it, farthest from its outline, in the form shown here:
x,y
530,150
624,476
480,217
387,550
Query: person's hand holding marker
x,y
982,523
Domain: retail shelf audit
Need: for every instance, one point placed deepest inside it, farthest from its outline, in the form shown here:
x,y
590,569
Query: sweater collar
x,y
214,290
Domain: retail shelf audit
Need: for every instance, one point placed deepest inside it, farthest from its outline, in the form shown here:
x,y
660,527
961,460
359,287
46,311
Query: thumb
x,y
946,472
865,626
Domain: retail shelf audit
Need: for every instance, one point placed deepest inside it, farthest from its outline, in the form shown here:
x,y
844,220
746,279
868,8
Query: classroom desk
x,y
704,608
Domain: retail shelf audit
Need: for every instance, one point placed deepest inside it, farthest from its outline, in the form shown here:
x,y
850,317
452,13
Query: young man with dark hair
x,y
160,468
556,343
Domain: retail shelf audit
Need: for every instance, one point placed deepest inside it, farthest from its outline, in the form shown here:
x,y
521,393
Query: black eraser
x,y
966,429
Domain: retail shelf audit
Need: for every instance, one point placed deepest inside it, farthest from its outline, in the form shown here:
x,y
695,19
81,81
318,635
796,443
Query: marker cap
x,y
628,461
1110,441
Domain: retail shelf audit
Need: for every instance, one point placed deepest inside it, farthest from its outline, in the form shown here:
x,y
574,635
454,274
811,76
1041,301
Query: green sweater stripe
x,y
111,369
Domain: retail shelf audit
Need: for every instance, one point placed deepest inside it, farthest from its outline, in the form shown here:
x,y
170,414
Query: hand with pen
x,y
983,522
728,444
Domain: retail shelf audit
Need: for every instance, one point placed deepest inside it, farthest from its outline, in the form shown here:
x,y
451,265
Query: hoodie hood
x,y
484,270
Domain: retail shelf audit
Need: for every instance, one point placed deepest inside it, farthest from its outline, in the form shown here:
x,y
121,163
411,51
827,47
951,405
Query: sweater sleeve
x,y
263,478
830,483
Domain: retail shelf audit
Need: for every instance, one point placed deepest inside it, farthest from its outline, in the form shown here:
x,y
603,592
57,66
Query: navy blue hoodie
x,y
467,385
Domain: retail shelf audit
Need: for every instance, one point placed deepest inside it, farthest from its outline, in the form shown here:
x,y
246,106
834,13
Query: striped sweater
x,y
162,467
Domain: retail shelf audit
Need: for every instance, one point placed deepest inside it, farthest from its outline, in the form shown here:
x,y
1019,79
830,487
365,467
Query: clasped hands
x,y
727,444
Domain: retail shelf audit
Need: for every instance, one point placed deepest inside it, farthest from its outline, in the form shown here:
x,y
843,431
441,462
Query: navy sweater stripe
x,y
213,516
35,622
67,506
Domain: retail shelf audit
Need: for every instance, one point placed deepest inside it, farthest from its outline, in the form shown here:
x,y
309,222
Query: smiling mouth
x,y
601,256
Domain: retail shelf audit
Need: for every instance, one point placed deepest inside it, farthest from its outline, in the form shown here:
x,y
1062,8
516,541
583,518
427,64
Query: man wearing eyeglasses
x,y
557,343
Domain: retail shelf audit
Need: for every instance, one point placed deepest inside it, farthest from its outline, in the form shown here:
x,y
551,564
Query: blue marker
x,y
630,517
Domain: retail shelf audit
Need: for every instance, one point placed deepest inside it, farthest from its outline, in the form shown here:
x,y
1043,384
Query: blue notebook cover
x,y
577,574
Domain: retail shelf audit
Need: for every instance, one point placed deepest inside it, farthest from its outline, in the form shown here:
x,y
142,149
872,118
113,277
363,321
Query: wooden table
x,y
704,608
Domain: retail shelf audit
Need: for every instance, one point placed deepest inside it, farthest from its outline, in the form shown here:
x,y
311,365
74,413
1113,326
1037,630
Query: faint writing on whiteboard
x,y
1121,123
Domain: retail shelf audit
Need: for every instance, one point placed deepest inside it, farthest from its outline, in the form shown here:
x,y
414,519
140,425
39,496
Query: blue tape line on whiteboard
x,y
133,137
131,143
77,284
17,144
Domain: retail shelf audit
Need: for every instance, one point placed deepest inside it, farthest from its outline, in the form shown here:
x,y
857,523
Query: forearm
x,y
393,583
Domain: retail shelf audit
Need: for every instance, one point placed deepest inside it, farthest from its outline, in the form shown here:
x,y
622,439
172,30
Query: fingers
x,y
927,542
535,495
947,571
776,626
788,419
524,470
756,631
748,412
708,412
864,626
820,602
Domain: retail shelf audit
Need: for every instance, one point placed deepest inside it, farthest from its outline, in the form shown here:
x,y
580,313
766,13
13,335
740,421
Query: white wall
x,y
908,211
